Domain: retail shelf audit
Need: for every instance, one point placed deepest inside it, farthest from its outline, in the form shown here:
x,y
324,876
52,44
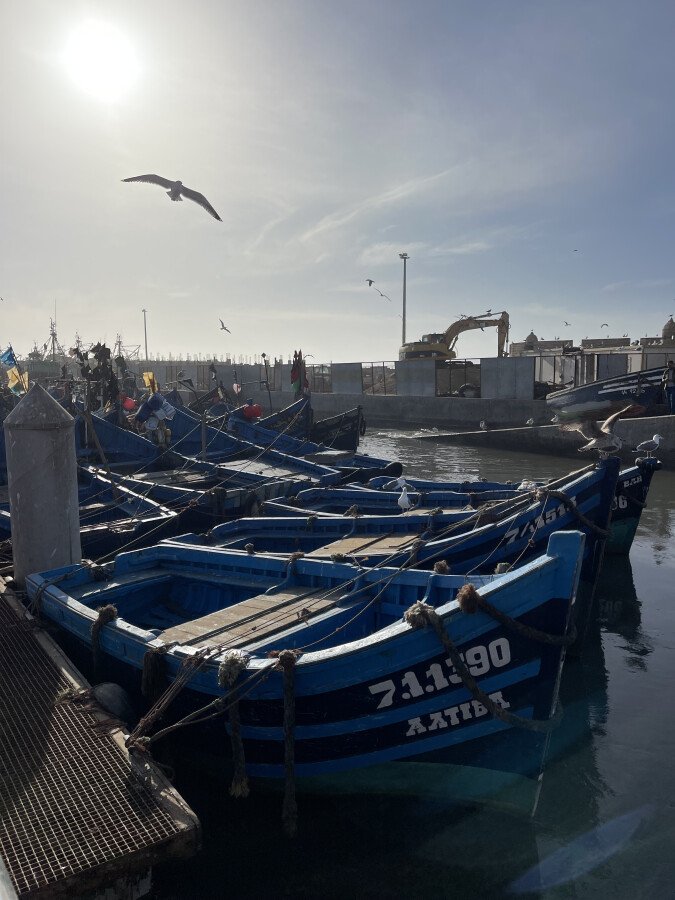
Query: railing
x,y
378,378
458,378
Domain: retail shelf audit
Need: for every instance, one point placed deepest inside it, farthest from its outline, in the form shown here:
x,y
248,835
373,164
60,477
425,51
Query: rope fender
x,y
421,614
232,665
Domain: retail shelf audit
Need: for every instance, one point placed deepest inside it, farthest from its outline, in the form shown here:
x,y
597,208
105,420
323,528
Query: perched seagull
x,y
489,312
567,323
177,190
530,422
223,327
483,425
404,501
600,438
649,447
555,420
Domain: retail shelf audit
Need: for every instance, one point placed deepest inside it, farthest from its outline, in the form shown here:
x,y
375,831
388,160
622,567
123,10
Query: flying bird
x,y
604,325
567,323
601,438
649,447
223,327
369,282
177,190
383,295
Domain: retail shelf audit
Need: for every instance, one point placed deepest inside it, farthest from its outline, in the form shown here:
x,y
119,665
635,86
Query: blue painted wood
x,y
373,691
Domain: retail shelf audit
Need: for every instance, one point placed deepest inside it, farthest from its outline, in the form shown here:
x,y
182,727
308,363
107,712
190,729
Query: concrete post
x,y
42,482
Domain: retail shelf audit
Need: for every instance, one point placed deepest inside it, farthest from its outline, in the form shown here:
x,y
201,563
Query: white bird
x,y
649,447
176,191
404,501
483,425
530,422
600,438
223,327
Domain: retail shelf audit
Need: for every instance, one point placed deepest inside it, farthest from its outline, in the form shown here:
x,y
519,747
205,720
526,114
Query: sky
x,y
522,154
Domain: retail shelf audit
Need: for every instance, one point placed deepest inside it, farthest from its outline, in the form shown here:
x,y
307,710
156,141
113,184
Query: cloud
x,y
648,284
382,253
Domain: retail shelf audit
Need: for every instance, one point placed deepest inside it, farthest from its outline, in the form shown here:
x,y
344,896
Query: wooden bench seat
x,y
254,619
363,545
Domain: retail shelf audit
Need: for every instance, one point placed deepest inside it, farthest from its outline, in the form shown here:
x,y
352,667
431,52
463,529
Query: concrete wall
x,y
507,379
416,378
347,378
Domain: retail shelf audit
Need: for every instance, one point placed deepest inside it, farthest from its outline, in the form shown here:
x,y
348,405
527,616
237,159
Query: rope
x,y
421,614
352,511
289,814
106,614
233,663
153,679
470,600
572,507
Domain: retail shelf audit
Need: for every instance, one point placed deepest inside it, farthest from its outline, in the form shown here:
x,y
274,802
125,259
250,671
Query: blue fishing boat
x,y
326,667
599,399
466,541
112,517
339,432
630,498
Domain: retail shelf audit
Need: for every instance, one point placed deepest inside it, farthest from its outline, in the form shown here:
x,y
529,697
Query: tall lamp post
x,y
145,331
404,256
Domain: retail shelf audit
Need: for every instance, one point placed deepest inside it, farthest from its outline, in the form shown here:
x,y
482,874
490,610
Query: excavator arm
x,y
469,323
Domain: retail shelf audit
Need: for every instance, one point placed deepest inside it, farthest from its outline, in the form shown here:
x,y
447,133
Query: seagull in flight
x,y
604,325
601,437
567,323
177,190
370,282
223,327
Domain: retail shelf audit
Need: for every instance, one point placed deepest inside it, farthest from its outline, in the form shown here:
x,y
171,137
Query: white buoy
x,y
42,484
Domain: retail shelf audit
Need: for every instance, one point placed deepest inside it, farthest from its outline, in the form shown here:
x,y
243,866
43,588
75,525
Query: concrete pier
x,y
42,483
550,439
78,815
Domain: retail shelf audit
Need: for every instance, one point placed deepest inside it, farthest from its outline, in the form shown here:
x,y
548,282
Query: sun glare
x,y
101,61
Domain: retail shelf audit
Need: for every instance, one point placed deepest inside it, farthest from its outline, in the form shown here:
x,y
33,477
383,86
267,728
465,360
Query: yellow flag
x,y
149,381
16,381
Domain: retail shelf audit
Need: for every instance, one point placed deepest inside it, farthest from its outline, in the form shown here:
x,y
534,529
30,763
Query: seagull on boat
x,y
483,425
404,501
223,327
530,422
649,447
601,438
176,191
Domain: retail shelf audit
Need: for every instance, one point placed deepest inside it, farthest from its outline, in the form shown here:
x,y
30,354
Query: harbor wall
x,y
417,412
550,439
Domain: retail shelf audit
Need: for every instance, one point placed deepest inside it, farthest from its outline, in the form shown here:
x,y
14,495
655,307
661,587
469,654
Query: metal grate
x,y
69,800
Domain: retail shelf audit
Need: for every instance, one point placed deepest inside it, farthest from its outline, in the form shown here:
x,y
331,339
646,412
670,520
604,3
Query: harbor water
x,y
604,825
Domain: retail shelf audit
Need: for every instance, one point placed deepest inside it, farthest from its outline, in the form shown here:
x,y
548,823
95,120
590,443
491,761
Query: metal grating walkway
x,y
69,799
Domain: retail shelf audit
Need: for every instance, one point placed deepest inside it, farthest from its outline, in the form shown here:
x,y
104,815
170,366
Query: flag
x,y
17,381
149,380
7,357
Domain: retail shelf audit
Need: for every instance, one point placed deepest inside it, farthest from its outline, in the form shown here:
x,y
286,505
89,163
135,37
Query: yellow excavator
x,y
442,346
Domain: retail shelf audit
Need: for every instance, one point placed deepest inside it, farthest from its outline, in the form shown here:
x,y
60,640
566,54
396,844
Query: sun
x,y
101,61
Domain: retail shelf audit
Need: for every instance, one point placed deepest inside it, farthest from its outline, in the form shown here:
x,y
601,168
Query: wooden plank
x,y
362,545
246,621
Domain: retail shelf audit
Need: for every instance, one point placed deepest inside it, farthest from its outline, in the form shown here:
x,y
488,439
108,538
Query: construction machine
x,y
442,346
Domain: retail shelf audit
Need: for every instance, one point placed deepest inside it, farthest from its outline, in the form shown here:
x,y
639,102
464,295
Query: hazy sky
x,y
522,153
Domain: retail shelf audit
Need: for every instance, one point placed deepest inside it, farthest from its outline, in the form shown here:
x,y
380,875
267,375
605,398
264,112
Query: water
x,y
605,822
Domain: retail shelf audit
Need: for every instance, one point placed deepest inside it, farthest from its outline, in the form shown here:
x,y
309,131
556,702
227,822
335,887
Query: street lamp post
x,y
145,330
404,256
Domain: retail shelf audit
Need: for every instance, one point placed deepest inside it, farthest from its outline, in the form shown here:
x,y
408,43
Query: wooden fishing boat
x,y
630,498
112,517
599,399
330,667
467,540
339,432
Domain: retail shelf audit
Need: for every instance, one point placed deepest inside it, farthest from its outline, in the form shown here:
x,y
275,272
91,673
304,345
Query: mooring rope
x,y
289,815
232,665
421,614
